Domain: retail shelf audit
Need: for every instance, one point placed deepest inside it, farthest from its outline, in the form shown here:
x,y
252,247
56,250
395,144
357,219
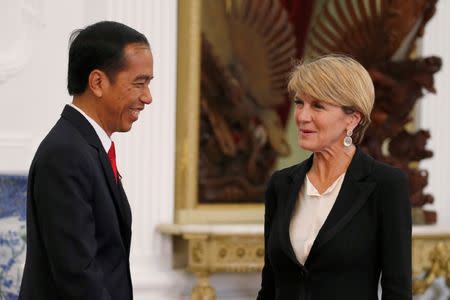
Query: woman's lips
x,y
306,132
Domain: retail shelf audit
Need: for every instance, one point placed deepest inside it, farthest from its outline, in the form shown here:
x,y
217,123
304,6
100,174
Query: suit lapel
x,y
114,187
127,217
352,196
294,181
88,132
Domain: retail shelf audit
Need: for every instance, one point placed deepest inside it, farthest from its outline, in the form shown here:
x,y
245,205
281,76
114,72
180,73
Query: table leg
x,y
203,290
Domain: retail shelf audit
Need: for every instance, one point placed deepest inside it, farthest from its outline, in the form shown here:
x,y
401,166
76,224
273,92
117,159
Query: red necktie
x,y
112,159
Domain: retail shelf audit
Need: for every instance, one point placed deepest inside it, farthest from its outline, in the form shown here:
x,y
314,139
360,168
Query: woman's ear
x,y
97,82
355,119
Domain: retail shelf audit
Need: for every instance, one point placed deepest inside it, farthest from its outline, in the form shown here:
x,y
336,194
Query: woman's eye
x,y
318,105
298,102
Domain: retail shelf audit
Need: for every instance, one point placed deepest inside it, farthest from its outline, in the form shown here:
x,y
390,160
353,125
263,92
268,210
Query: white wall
x,y
434,113
33,63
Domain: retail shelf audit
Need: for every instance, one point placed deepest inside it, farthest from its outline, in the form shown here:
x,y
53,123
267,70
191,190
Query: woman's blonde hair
x,y
338,80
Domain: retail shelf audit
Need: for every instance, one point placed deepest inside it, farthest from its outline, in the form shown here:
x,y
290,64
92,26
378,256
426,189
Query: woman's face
x,y
321,125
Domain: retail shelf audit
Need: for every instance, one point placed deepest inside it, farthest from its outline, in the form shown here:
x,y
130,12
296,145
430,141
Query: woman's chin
x,y
306,145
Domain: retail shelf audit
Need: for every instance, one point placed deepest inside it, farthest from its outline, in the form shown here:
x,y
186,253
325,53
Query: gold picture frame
x,y
187,208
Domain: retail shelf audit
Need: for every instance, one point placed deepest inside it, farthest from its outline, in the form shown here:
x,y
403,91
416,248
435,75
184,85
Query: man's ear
x,y
97,82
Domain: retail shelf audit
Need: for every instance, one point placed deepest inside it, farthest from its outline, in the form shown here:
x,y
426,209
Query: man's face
x,y
126,96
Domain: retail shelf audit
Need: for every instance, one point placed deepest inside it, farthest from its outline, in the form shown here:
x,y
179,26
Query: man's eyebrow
x,y
143,77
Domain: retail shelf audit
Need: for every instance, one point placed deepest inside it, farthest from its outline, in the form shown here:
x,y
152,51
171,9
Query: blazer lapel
x,y
120,201
88,132
127,217
113,187
352,196
295,182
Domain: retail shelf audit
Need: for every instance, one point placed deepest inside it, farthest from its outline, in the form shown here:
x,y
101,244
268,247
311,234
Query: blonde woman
x,y
339,221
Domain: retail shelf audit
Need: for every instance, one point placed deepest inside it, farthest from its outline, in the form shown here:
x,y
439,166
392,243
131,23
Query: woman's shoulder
x,y
387,176
392,188
385,173
290,171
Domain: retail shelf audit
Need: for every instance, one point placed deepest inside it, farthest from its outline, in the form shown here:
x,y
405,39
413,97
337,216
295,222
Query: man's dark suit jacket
x,y
367,232
78,219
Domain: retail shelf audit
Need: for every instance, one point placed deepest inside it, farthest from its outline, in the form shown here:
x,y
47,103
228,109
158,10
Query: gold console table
x,y
215,248
430,256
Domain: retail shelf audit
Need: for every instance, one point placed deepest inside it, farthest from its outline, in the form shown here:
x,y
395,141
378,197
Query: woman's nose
x,y
303,114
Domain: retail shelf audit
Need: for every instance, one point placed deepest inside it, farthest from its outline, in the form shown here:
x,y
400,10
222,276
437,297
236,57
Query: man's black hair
x,y
98,46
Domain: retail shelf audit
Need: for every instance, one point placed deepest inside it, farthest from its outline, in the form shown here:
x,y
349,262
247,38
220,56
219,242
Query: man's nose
x,y
147,96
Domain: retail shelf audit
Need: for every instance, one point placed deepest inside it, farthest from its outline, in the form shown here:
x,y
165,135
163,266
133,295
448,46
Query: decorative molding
x,y
433,256
23,20
236,248
239,248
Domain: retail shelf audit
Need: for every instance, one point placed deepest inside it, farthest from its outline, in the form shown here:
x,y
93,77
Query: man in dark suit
x,y
78,216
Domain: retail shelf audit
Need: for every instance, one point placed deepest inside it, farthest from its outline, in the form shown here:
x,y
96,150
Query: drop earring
x,y
348,141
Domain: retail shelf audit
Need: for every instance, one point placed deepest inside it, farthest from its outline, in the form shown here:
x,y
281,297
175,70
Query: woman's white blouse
x,y
310,214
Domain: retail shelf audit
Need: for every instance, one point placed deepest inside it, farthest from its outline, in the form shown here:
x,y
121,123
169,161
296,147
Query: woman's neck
x,y
329,164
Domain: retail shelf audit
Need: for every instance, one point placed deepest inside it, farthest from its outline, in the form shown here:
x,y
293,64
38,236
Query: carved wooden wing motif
x,y
381,34
261,45
372,31
247,52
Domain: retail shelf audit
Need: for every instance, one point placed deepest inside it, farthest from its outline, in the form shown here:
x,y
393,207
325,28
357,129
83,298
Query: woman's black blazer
x,y
367,235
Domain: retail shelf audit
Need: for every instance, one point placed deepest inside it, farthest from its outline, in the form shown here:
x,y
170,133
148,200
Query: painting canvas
x,y
234,115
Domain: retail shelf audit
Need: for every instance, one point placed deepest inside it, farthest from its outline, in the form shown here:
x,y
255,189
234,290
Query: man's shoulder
x,y
63,132
62,140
